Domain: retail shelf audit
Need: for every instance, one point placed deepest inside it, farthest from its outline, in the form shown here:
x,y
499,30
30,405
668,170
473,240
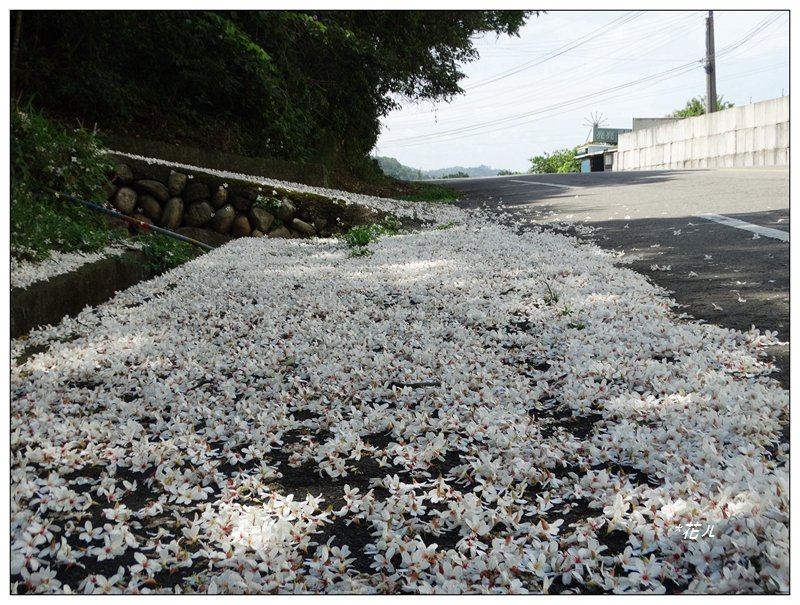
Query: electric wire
x,y
548,111
626,18
564,104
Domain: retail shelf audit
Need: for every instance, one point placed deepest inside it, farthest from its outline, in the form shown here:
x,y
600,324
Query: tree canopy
x,y
696,106
560,161
300,85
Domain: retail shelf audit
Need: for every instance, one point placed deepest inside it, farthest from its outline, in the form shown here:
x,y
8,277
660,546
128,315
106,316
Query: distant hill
x,y
474,171
393,168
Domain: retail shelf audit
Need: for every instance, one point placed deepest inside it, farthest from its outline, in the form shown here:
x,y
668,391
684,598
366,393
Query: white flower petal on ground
x,y
489,441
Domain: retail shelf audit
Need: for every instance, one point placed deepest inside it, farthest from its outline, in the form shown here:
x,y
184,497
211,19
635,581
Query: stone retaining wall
x,y
213,210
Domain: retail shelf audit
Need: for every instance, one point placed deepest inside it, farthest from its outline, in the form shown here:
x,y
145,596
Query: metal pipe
x,y
141,224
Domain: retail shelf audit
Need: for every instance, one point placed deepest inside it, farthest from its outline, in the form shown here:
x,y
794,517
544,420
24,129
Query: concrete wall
x,y
642,123
751,135
48,301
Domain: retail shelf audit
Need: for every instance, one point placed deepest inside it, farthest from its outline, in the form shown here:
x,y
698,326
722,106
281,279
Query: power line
x,y
663,31
515,120
760,27
673,72
626,18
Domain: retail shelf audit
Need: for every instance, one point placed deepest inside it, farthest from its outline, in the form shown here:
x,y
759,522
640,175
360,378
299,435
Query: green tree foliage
x,y
696,106
301,85
562,160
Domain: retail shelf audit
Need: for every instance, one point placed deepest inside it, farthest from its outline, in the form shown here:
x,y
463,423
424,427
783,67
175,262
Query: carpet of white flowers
x,y
466,410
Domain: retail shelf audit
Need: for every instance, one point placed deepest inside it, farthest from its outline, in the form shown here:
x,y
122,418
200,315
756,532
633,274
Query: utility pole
x,y
711,76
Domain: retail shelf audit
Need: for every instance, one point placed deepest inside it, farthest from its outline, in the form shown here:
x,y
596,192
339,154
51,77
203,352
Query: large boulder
x,y
152,187
223,219
123,174
242,204
241,226
320,222
195,191
176,182
261,219
286,211
172,216
125,200
303,228
220,197
150,207
280,233
198,214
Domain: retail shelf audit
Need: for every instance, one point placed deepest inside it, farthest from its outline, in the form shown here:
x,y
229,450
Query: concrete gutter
x,y
47,302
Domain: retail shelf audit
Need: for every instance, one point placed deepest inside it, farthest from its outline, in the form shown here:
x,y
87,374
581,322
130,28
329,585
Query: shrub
x,y
559,161
360,236
49,162
166,253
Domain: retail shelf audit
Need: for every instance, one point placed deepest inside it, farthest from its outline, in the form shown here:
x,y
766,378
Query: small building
x,y
592,156
598,156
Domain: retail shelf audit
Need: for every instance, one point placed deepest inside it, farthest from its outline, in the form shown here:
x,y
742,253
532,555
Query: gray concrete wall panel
x,y
751,135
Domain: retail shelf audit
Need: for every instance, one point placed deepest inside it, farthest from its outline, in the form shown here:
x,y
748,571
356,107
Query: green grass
x,y
425,192
165,253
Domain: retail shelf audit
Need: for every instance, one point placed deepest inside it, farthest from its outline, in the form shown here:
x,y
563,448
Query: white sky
x,y
570,65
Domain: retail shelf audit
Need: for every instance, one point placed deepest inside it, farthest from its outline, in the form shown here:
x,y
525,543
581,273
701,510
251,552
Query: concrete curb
x,y
47,302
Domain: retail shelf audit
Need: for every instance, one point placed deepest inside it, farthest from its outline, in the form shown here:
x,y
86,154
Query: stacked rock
x,y
184,203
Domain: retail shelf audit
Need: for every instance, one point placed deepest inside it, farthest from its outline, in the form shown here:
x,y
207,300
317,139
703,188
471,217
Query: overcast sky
x,y
540,91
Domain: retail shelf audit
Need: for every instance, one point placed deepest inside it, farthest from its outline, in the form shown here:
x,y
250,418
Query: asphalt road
x,y
723,274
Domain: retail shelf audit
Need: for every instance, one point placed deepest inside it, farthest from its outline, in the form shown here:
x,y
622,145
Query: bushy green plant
x,y
391,225
560,161
49,162
696,106
165,253
359,237
268,203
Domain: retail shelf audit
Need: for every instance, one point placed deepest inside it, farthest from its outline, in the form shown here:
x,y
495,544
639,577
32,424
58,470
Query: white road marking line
x,y
540,183
736,223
